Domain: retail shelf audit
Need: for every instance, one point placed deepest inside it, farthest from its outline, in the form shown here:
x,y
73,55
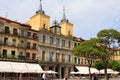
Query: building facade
x,y
37,41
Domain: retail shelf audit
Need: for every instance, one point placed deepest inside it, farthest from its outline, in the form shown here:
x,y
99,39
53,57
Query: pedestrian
x,y
44,76
65,77
95,76
20,76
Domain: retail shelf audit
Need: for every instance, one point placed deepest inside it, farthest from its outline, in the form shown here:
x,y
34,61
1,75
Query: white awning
x,y
19,67
5,67
85,70
109,71
34,68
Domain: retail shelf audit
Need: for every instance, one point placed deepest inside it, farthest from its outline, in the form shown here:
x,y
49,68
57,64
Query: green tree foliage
x,y
106,38
114,65
100,47
87,49
99,65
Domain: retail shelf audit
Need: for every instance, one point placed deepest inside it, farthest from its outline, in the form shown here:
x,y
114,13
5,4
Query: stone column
x,y
60,72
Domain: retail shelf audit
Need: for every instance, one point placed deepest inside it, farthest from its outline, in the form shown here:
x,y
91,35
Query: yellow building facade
x,y
16,43
37,41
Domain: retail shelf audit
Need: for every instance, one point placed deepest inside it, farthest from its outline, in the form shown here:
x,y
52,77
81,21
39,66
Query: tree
x,y
114,65
99,65
107,37
87,49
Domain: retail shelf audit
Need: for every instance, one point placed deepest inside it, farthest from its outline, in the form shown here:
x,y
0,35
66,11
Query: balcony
x,y
55,46
54,60
18,58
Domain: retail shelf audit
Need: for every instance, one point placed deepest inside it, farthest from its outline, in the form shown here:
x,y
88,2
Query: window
x,y
57,41
7,29
63,43
35,36
43,38
14,42
27,55
69,57
57,57
51,40
69,44
4,54
22,32
28,34
75,60
15,31
28,45
21,44
1,25
44,26
63,57
78,60
51,56
13,53
43,55
33,56
34,46
5,40
75,44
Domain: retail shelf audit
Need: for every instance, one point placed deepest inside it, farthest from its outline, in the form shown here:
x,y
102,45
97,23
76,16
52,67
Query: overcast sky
x,y
88,16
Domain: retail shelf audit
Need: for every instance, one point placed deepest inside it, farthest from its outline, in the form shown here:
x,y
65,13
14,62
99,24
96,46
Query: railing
x,y
17,58
55,46
48,59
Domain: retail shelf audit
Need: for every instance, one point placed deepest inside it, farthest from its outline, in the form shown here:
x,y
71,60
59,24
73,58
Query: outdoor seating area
x,y
26,71
83,73
18,67
15,76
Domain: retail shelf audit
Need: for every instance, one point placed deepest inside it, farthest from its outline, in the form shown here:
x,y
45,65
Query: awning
x,y
109,71
5,67
19,67
34,68
85,70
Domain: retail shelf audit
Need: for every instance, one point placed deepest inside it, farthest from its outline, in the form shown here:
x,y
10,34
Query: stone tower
x,y
66,26
39,21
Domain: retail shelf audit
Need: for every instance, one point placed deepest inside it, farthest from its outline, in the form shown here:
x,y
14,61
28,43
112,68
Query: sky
x,y
87,16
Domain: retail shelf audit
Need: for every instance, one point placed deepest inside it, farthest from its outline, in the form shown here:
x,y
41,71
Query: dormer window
x,y
57,29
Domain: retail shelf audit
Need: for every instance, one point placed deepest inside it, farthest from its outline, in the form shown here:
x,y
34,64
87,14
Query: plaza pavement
x,y
88,79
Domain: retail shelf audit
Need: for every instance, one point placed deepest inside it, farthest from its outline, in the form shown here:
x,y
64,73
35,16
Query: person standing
x,y
66,77
95,77
44,76
20,76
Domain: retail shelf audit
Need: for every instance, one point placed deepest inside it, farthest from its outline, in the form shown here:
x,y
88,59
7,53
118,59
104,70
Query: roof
x,y
8,20
78,39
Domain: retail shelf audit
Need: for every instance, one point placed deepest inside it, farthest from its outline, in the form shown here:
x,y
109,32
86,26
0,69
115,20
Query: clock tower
x,y
56,28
